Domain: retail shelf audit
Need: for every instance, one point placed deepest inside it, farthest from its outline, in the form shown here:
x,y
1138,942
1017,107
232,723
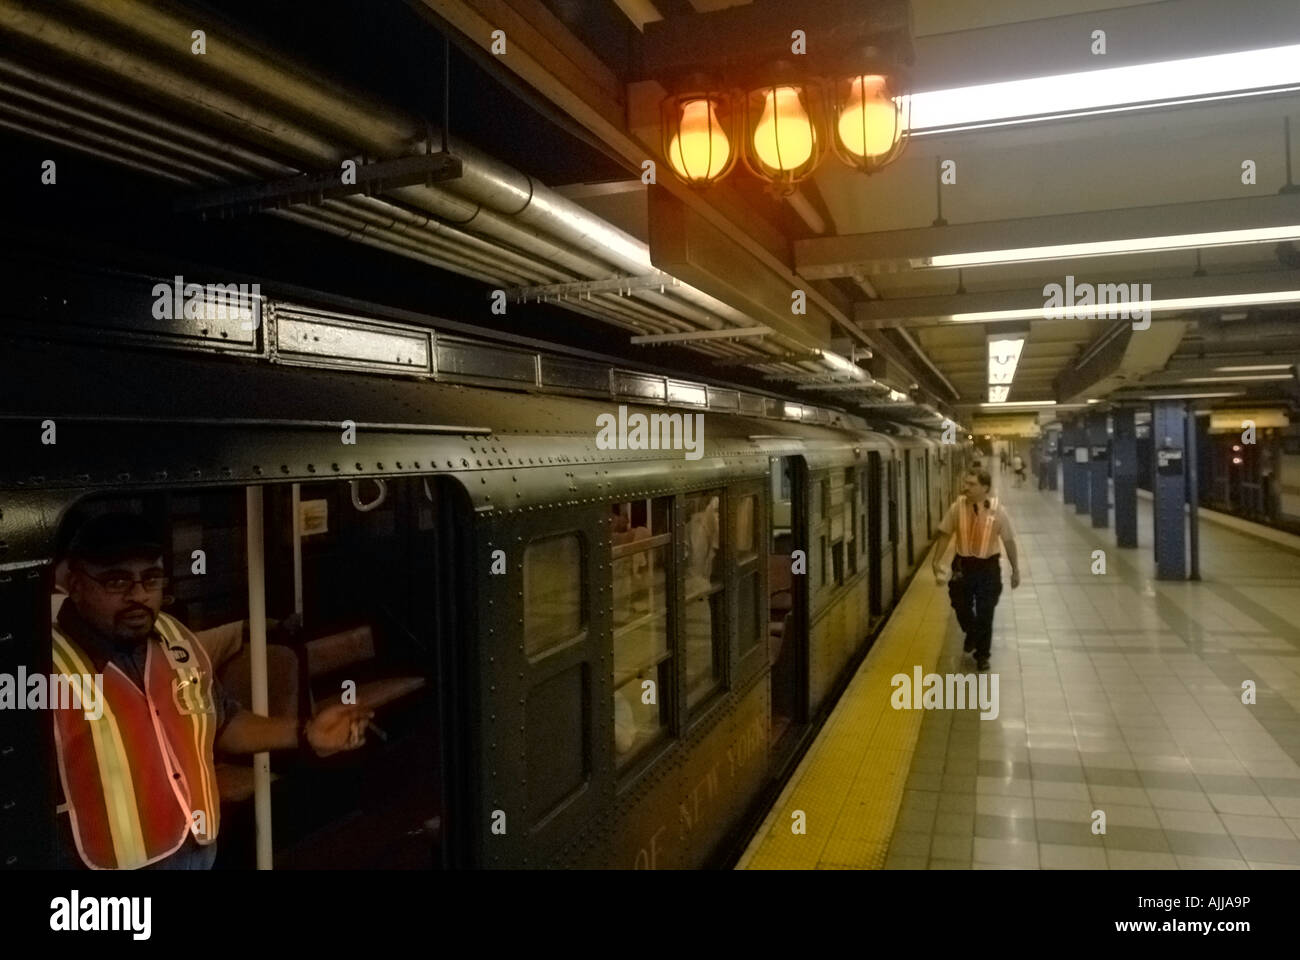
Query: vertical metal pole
x,y
257,668
297,549
1193,495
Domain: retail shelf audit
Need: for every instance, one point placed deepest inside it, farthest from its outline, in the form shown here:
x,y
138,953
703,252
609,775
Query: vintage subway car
x,y
579,656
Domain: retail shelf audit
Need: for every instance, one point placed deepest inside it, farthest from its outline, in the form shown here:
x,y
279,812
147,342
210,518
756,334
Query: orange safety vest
x,y
135,779
976,535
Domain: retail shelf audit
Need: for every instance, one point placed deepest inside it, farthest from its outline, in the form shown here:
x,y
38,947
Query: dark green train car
x,y
582,656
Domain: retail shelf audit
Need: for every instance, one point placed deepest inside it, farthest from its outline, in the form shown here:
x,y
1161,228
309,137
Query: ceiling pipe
x,y
492,187
916,348
807,212
492,199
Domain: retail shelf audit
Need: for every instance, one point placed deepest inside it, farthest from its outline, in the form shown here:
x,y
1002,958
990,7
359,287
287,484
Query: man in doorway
x,y
978,521
139,782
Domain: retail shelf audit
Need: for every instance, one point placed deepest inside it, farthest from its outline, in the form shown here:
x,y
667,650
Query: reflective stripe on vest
x,y
975,535
134,778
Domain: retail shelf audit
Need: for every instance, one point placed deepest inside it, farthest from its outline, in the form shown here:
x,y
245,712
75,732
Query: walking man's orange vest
x,y
977,535
141,777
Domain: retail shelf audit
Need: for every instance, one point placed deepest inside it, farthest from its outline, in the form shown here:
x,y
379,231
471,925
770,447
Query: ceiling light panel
x,y
1141,86
1004,355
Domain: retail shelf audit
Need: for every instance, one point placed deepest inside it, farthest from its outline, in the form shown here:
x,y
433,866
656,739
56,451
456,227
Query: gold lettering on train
x,y
750,744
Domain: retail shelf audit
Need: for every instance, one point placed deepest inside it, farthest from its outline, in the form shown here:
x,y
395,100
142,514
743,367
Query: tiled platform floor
x,y
1118,693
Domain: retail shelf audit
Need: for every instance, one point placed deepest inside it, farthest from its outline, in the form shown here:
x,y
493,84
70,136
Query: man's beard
x,y
126,630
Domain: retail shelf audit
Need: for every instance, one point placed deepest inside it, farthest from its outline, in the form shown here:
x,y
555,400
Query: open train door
x,y
875,546
909,507
788,639
454,628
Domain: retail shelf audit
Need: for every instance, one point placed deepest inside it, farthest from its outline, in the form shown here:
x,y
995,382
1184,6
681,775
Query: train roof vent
x,y
724,400
687,394
564,374
639,386
470,362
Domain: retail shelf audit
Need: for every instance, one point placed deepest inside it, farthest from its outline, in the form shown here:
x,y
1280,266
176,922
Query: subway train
x,y
578,655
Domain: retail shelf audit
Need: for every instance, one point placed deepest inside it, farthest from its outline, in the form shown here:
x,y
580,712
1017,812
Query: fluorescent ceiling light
x,y
1004,355
1141,86
1257,376
897,396
1188,396
1101,248
1021,403
1092,311
1094,401
998,394
1254,366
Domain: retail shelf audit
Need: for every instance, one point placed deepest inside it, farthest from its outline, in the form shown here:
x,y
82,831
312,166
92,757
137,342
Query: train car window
x,y
744,535
553,591
705,595
641,555
745,544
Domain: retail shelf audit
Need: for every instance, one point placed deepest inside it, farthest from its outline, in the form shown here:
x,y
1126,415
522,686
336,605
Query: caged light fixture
x,y
782,120
872,111
782,140
699,132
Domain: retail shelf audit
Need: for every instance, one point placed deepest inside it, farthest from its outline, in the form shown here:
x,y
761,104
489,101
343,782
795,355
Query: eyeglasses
x,y
123,585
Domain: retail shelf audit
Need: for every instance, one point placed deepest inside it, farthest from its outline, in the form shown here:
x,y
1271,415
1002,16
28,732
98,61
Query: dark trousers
x,y
974,590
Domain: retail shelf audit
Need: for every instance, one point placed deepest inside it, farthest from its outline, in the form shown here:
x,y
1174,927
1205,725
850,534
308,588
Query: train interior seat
x,y
336,652
235,778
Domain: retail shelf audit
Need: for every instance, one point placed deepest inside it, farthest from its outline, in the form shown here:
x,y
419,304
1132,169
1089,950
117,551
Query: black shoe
x,y
981,663
968,646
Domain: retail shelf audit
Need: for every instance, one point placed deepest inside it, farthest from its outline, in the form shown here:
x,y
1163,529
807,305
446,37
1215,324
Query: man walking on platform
x,y
978,521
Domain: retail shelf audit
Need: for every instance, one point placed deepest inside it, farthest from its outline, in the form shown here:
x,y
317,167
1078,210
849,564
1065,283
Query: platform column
x,y
1052,443
1099,467
1082,470
1169,486
1193,496
1067,464
1124,470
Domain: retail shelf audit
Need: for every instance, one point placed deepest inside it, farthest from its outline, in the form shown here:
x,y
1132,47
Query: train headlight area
x,y
406,469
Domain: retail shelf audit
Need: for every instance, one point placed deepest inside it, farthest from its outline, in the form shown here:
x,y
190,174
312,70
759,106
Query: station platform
x,y
1117,692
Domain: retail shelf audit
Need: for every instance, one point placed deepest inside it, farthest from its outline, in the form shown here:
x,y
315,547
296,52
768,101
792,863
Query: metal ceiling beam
x,y
1123,356
896,250
760,32
935,311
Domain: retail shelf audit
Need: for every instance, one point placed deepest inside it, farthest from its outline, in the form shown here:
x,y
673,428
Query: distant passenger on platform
x,y
1018,467
139,781
1002,457
978,521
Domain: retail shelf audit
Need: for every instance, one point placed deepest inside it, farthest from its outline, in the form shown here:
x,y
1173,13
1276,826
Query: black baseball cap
x,y
114,537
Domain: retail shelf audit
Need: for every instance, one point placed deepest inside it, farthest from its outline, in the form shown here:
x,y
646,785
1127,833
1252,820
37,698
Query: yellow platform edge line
x,y
859,764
